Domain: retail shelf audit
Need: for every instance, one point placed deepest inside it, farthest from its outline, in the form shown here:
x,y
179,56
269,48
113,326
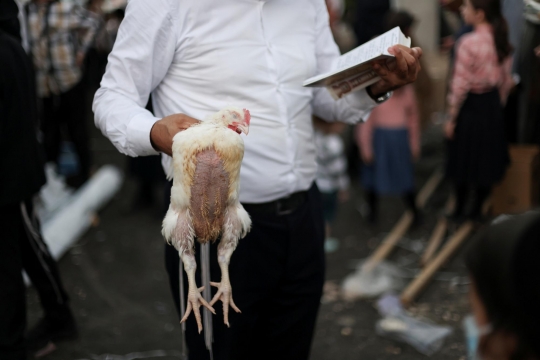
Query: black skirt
x,y
478,153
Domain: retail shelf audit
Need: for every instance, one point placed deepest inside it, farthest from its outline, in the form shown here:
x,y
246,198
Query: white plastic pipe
x,y
72,220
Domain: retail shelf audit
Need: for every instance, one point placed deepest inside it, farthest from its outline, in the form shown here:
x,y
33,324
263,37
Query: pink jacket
x,y
399,112
477,69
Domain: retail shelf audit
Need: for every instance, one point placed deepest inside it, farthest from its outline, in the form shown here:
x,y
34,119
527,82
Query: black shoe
x,y
52,329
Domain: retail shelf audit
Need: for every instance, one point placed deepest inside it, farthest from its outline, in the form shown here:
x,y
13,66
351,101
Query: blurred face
x,y
478,308
471,15
494,345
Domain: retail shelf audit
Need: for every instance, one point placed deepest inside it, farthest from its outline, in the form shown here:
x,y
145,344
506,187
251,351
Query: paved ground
x,y
119,291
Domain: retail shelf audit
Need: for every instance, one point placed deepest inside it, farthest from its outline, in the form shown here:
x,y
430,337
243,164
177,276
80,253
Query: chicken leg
x,y
194,298
236,225
224,292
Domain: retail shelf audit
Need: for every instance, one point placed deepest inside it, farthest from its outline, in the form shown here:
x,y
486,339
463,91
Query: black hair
x,y
9,22
504,266
398,18
494,16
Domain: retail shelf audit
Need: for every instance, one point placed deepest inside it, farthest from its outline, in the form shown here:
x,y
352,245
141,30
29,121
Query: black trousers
x,y
277,276
66,109
22,248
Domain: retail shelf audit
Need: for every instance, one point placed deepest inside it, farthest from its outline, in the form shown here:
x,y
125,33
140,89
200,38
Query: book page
x,y
371,49
360,59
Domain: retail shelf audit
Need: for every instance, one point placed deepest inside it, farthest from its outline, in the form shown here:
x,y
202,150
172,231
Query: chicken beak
x,y
244,128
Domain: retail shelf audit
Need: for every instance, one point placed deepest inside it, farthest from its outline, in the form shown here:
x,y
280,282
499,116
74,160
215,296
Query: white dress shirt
x,y
199,56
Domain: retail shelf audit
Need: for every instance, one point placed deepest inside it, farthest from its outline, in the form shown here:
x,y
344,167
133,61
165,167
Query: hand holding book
x,y
384,63
395,74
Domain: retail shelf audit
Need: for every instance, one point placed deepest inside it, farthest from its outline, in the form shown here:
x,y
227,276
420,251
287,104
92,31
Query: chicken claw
x,y
194,302
225,295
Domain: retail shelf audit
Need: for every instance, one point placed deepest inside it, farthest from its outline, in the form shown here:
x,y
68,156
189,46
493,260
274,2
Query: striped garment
x,y
332,163
71,30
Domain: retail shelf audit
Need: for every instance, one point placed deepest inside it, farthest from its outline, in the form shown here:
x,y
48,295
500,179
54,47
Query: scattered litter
x,y
414,246
383,278
388,276
407,260
398,324
331,245
330,292
137,355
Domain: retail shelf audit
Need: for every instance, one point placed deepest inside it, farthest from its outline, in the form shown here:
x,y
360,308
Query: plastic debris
x,y
53,195
138,355
331,245
383,278
73,216
400,325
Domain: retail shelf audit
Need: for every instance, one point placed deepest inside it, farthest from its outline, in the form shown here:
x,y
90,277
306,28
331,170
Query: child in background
x,y
389,141
477,147
332,179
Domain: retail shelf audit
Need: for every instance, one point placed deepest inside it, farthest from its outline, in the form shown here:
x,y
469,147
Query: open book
x,y
353,70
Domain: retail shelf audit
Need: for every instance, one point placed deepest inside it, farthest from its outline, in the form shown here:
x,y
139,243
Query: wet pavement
x,y
119,290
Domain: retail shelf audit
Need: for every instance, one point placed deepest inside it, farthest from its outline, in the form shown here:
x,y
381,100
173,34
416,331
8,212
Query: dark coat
x,y
21,159
370,19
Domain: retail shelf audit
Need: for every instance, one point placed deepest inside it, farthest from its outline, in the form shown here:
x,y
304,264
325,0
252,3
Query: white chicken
x,y
204,200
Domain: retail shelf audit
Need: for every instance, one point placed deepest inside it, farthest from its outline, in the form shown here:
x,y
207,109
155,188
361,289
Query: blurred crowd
x,y
384,149
492,103
53,54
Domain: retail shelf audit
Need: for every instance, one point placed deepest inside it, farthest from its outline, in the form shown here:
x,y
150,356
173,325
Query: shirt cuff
x,y
138,135
362,101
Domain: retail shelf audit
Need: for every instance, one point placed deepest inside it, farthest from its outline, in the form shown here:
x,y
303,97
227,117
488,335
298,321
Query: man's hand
x,y
163,131
404,70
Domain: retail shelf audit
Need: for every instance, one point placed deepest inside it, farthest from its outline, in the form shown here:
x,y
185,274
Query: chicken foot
x,y
194,298
224,292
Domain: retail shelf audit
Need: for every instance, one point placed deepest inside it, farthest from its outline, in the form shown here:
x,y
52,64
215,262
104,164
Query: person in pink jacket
x,y
389,144
477,145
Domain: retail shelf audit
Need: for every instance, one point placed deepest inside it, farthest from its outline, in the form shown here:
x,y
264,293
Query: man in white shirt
x,y
198,56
